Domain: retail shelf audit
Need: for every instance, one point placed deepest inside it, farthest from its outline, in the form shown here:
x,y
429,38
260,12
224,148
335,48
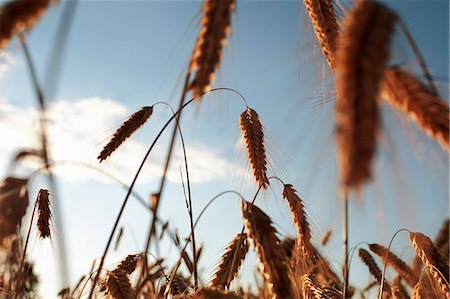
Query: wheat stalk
x,y
19,15
45,214
407,93
216,25
252,131
395,262
134,122
324,21
272,259
230,262
363,49
432,259
373,268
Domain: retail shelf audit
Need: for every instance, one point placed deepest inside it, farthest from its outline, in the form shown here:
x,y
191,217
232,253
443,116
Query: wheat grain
x,y
272,259
216,25
407,93
363,49
252,131
230,262
134,122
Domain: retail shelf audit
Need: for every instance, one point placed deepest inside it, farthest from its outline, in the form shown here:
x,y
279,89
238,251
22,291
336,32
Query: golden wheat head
x,y
407,93
216,24
231,262
134,122
362,52
252,131
324,21
45,214
272,259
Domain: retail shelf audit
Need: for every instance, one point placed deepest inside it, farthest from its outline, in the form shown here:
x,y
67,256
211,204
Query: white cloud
x,y
76,132
6,60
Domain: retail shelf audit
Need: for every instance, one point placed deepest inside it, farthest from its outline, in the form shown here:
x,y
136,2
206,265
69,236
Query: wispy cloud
x,y
77,132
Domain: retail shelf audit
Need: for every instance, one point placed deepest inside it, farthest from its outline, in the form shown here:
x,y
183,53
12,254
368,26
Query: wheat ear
x,y
271,256
216,25
407,93
432,259
310,290
252,131
45,214
134,122
396,263
230,262
128,264
118,285
19,15
363,50
373,268
299,216
326,28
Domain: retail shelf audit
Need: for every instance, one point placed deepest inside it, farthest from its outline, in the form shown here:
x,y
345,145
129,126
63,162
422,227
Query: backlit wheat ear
x,y
128,264
362,52
45,214
323,18
134,122
310,290
407,93
118,285
373,268
210,41
271,255
396,263
231,262
252,131
432,259
299,216
19,15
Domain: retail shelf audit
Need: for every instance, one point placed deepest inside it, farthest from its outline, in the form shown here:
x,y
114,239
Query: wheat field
x,y
224,149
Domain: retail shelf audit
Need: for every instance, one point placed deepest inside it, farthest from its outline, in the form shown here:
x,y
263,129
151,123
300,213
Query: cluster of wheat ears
x,y
356,46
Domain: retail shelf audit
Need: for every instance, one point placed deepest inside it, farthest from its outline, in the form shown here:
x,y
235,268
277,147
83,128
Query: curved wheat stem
x,y
216,25
252,130
407,93
134,122
272,259
231,262
363,49
324,21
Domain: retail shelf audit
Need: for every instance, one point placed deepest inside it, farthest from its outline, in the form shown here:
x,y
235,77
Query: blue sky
x,y
124,55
